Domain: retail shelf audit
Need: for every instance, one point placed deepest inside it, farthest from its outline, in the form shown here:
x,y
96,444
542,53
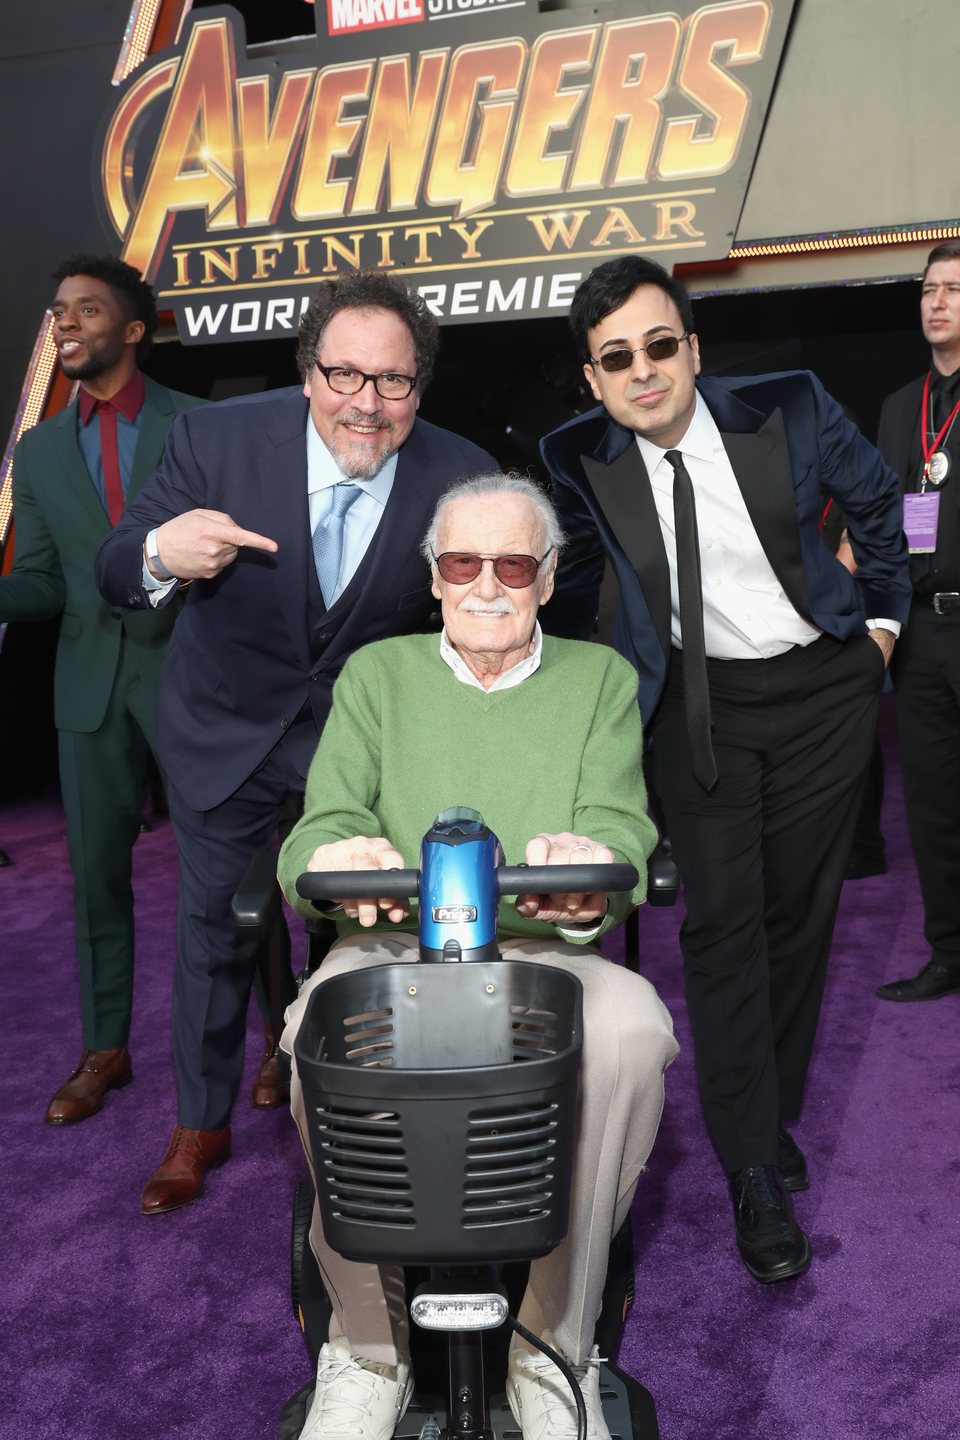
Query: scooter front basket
x,y
441,1106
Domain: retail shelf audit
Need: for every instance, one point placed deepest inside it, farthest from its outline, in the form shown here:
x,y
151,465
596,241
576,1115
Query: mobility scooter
x,y
441,1102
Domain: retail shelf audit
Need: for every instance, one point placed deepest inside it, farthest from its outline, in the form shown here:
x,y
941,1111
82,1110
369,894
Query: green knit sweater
x,y
406,739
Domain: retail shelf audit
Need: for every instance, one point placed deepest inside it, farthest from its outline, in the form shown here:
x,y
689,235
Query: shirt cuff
x,y
892,625
156,590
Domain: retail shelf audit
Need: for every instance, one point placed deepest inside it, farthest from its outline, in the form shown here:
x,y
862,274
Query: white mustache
x,y
501,606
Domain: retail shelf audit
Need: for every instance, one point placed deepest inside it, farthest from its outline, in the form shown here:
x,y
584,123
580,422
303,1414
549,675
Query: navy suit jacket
x,y
788,442
241,663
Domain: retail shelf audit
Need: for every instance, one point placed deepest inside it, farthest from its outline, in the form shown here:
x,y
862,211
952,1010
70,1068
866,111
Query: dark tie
x,y
328,540
110,456
696,692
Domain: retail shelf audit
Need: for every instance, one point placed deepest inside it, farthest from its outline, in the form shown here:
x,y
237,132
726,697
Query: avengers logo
x,y
487,150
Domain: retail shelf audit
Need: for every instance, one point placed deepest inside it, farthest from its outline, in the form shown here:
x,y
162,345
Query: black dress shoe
x,y
861,865
791,1162
933,981
771,1243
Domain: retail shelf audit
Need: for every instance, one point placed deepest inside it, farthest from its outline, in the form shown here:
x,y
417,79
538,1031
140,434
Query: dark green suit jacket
x,y
60,525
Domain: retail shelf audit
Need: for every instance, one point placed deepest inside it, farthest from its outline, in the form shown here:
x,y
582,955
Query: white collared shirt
x,y
746,614
364,515
508,678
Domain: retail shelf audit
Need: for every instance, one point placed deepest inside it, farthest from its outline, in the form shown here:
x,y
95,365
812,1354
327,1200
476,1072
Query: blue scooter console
x,y
459,895
458,884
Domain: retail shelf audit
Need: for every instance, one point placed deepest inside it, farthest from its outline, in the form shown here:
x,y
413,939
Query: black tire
x,y
299,1230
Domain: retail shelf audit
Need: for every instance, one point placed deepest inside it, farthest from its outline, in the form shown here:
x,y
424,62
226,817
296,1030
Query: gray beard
x,y
352,468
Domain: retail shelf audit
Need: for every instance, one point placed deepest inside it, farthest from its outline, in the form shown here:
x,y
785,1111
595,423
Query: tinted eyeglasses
x,y
664,347
346,381
515,571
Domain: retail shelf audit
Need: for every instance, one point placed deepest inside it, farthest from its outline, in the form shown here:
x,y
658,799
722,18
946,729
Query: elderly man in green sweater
x,y
542,737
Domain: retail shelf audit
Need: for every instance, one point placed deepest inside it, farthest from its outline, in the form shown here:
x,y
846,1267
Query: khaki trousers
x,y
627,1045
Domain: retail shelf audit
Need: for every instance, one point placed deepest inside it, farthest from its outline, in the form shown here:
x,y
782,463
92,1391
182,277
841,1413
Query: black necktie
x,y
696,693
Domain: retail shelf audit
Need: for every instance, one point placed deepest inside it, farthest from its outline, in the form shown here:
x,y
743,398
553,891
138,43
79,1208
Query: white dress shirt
x,y
746,614
504,681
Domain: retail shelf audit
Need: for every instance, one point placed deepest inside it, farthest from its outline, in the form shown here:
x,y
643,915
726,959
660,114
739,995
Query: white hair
x,y
496,484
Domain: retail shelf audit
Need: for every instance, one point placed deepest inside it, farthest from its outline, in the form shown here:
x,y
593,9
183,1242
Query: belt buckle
x,y
953,596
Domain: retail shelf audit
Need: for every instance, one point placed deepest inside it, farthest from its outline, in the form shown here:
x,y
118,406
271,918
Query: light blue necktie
x,y
328,540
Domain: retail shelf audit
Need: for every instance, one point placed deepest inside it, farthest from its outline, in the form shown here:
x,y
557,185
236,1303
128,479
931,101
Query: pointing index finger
x,y
252,540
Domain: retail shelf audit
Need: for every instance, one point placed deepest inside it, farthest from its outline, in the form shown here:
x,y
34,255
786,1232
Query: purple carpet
x,y
179,1327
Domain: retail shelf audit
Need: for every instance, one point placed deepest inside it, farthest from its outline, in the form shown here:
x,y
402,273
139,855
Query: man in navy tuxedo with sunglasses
x,y
760,662
295,517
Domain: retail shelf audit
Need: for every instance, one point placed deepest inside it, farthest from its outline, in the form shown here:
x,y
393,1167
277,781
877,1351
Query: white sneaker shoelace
x,y
542,1402
355,1401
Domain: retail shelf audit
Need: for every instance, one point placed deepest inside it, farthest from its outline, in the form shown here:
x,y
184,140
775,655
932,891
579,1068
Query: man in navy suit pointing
x,y
296,516
761,661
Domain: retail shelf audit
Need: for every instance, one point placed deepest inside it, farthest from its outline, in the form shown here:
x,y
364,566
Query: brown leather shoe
x,y
179,1178
82,1095
269,1091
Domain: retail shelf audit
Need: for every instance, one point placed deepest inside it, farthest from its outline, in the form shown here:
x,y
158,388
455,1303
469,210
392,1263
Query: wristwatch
x,y
162,573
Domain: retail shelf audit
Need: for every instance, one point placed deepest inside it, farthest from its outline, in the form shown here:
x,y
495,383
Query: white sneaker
x,y
542,1402
355,1401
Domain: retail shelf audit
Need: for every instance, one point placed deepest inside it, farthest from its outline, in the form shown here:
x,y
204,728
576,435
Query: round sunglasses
x,y
458,567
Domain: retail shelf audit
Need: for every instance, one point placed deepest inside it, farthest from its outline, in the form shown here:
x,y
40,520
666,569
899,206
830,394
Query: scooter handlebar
x,y
564,879
358,884
511,880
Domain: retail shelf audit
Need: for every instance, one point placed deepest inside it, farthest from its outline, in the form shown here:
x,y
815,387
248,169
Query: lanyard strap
x,y
929,449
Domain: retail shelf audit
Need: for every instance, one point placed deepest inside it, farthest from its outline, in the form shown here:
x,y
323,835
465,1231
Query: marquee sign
x,y
492,150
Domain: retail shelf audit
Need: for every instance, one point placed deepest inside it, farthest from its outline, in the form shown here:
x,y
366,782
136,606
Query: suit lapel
x,y
76,475
622,490
411,498
286,510
397,537
761,464
907,461
907,438
154,425
759,454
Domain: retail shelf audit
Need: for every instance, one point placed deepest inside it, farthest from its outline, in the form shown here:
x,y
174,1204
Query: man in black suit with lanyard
x,y
920,437
296,517
760,662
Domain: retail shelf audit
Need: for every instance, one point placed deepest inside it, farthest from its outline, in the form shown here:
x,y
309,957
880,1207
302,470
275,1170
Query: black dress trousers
x,y
762,858
927,689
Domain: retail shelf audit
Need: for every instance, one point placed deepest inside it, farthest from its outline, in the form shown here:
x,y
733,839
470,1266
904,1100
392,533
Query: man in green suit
x,y
72,475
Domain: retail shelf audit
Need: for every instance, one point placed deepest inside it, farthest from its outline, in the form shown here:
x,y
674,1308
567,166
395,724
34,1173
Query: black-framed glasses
x,y
664,347
458,567
347,381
